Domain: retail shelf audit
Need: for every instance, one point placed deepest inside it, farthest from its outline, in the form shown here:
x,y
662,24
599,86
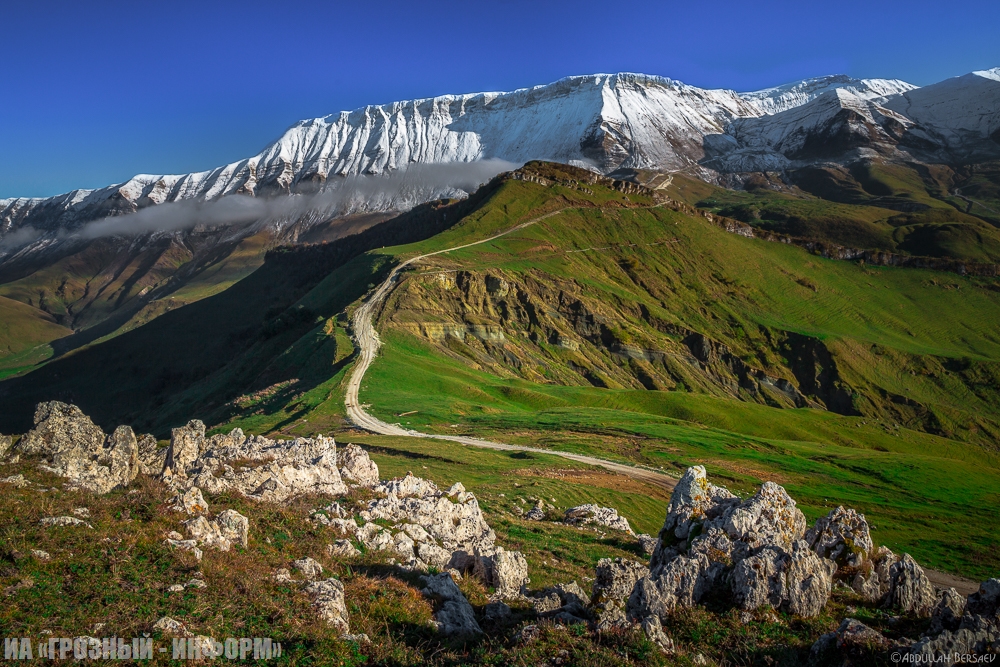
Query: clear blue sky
x,y
93,92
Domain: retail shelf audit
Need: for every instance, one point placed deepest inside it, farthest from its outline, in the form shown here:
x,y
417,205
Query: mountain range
x,y
95,261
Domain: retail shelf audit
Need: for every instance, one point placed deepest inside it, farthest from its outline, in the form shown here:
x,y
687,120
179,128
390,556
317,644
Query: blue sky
x,y
93,93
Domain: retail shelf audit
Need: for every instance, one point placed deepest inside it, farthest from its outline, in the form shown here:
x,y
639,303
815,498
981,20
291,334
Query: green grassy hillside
x,y
622,326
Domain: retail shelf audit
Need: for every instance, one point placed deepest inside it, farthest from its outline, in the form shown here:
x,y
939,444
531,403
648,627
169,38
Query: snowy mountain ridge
x,y
602,121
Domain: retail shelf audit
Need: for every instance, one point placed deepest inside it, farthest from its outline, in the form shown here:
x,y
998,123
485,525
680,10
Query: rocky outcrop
x,y
356,467
947,613
751,550
599,516
454,615
308,568
266,470
152,457
74,447
455,524
842,536
975,633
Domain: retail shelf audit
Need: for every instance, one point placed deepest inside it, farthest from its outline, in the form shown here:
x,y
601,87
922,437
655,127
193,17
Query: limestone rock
x,y
454,616
947,613
74,447
234,527
5,444
456,525
409,486
597,515
615,579
434,555
456,489
173,627
547,603
986,601
693,501
976,636
506,571
207,533
647,543
329,602
852,639
770,517
309,568
842,536
496,613
191,501
797,580
186,443
185,545
573,600
910,590
342,549
653,630
677,584
536,513
63,521
873,578
357,467
41,555
16,480
152,457
267,470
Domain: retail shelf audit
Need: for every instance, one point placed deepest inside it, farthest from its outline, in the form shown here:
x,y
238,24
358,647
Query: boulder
x,y
597,515
986,601
191,501
910,591
842,536
615,579
328,600
852,639
712,540
207,533
536,513
975,637
506,571
457,524
309,568
496,613
947,613
63,521
74,447
186,443
6,442
409,486
342,549
356,467
173,627
234,527
454,616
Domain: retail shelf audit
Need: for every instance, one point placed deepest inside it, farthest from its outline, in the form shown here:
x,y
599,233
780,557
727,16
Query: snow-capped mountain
x,y
604,121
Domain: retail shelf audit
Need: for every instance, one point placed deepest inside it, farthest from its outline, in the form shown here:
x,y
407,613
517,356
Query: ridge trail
x,y
369,342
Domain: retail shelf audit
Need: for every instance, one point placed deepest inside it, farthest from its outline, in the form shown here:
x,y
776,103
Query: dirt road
x,y
368,343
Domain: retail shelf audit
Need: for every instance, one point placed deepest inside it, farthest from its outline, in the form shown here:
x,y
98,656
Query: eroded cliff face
x,y
544,328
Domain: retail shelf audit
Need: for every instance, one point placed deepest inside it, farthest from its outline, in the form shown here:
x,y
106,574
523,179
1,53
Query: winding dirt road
x,y
368,343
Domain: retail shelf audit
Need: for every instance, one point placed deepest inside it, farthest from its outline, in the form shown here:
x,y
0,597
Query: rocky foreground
x,y
754,555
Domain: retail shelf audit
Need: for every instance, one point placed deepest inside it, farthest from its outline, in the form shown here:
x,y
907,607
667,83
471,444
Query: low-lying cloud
x,y
338,196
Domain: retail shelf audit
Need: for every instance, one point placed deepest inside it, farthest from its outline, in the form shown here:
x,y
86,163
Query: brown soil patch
x,y
604,480
759,473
